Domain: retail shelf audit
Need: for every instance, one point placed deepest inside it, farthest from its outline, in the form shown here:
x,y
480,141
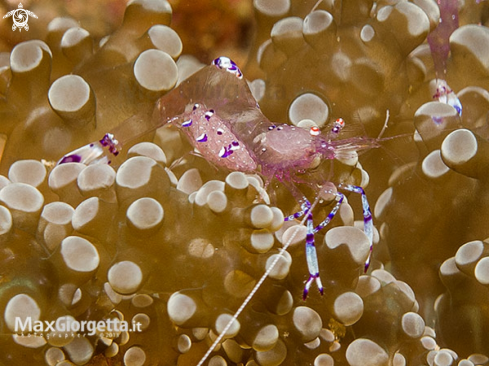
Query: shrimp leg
x,y
332,214
368,226
311,254
312,259
306,206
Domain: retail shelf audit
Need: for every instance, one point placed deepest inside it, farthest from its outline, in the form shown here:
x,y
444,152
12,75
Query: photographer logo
x,y
20,17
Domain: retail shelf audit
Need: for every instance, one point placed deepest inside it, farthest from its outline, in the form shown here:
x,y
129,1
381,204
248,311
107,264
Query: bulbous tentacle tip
x,y
98,152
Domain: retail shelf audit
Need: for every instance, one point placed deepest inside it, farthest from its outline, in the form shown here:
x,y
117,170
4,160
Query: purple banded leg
x,y
304,208
311,254
368,226
332,214
312,259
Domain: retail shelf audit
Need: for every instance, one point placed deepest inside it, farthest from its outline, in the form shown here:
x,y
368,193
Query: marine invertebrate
x,y
438,40
234,134
166,240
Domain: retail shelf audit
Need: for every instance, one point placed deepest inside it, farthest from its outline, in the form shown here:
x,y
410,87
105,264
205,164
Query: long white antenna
x,y
257,286
316,6
385,124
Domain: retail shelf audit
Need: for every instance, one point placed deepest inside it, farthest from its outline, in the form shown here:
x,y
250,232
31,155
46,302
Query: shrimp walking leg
x,y
312,259
306,206
368,226
332,214
311,253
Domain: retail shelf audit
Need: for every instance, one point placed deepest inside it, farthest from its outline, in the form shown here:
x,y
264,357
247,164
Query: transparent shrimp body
x,y
439,41
217,112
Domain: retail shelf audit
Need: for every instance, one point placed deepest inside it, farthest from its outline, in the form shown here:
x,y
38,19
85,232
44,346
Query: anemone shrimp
x,y
439,42
245,141
224,123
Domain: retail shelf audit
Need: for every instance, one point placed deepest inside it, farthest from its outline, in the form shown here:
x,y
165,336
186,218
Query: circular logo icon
x,y
20,17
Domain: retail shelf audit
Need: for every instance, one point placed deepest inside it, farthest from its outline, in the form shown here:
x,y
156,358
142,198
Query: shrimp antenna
x,y
316,6
256,288
385,124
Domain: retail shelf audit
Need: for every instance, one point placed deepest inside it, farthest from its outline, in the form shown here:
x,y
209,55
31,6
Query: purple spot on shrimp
x,y
202,138
70,159
187,123
235,143
209,114
196,105
220,131
111,143
225,152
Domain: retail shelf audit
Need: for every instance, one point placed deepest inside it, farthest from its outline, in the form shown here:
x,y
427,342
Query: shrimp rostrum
x,y
217,112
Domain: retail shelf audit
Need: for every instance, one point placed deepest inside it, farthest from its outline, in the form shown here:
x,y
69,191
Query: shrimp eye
x,y
314,131
340,122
